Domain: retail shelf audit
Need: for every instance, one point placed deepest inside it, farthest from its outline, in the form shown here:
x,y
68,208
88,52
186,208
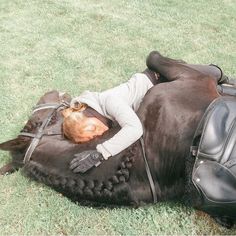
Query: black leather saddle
x,y
214,147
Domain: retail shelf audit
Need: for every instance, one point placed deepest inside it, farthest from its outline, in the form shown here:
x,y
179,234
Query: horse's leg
x,y
213,70
8,169
224,221
171,68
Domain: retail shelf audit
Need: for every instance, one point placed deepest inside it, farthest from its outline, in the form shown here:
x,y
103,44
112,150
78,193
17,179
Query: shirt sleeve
x,y
131,127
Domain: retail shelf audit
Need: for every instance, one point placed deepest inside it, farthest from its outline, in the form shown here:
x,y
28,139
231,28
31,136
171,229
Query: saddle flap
x,y
218,131
214,171
217,183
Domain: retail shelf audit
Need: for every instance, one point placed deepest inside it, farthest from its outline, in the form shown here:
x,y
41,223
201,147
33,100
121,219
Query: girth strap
x,y
149,175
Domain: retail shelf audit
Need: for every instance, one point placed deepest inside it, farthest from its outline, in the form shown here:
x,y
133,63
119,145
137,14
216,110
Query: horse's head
x,y
19,145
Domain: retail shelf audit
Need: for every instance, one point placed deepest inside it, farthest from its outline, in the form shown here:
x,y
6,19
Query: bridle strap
x,y
48,133
47,106
37,137
149,175
26,134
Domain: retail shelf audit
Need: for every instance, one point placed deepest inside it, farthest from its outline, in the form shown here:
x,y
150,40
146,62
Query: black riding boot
x,y
171,68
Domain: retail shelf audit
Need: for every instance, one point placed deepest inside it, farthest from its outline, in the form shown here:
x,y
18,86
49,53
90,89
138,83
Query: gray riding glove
x,y
85,160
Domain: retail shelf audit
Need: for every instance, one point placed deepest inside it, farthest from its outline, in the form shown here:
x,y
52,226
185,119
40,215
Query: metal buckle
x,y
193,150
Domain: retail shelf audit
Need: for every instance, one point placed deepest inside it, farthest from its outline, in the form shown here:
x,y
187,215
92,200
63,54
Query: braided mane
x,y
114,189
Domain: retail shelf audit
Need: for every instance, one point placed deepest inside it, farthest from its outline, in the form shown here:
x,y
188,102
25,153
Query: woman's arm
x,y
131,127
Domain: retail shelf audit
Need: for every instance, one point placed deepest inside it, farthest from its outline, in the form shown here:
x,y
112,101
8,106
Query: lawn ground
x,y
73,45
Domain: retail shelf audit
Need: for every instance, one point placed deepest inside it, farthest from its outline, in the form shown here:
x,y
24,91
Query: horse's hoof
x,y
7,169
224,221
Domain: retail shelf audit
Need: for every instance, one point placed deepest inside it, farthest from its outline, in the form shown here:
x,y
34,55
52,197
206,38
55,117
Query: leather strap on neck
x,y
153,187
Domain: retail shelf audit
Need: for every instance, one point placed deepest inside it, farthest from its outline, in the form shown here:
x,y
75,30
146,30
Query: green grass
x,y
73,45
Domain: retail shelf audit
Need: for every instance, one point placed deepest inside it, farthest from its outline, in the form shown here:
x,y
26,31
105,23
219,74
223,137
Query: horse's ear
x,y
14,144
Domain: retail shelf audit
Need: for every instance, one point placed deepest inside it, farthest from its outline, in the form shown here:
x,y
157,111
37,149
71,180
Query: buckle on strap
x,y
193,150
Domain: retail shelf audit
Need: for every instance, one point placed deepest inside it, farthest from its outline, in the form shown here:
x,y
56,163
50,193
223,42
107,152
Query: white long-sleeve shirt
x,y
120,104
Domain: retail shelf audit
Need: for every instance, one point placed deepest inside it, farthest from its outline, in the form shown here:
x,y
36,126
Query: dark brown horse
x,y
170,113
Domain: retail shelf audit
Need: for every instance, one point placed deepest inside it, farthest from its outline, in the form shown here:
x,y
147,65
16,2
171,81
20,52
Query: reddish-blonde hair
x,y
79,128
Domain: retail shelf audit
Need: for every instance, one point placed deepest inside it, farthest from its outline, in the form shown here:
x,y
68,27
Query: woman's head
x,y
79,128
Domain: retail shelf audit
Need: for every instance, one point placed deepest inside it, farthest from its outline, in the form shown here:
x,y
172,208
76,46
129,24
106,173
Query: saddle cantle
x,y
214,147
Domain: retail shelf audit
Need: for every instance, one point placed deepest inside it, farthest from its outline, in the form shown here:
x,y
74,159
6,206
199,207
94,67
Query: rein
x,y
149,175
37,137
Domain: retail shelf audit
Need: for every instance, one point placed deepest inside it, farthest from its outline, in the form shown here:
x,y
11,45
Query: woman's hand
x,y
86,160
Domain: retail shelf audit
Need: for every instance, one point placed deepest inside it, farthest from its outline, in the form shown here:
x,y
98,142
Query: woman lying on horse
x,y
92,113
